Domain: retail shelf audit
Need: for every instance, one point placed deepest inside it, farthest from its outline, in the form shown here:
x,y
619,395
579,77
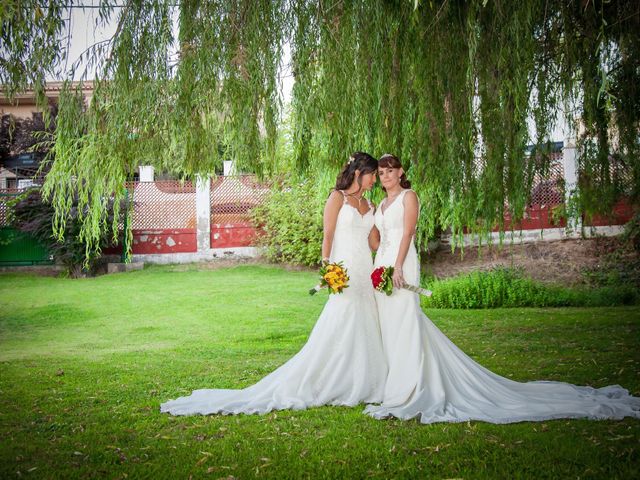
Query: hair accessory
x,y
351,159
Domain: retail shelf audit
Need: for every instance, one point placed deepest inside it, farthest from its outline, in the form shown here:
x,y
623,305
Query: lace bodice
x,y
351,246
389,219
342,362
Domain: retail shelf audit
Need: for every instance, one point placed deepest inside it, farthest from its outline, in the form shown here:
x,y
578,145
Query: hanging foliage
x,y
457,89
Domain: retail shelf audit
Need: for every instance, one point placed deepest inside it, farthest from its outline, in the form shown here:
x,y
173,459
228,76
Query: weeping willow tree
x,y
449,86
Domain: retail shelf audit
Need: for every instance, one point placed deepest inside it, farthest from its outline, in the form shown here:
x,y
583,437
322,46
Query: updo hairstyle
x,y
361,161
391,161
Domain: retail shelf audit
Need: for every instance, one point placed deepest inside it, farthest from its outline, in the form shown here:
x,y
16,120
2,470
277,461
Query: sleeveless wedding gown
x,y
342,362
433,380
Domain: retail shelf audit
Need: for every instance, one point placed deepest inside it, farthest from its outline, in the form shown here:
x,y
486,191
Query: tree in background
x,y
447,85
23,135
32,215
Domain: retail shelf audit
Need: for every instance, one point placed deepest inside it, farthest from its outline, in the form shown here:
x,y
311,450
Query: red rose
x,y
376,276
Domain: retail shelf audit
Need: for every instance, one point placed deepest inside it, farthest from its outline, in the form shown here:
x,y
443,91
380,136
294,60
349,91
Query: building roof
x,y
52,90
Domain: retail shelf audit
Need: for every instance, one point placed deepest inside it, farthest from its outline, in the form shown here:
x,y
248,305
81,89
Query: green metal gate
x,y
18,248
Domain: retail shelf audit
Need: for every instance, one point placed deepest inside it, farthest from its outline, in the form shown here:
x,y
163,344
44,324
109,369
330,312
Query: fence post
x,y
146,173
569,154
125,257
203,213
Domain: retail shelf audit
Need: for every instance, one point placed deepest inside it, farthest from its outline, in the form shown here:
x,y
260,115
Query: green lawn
x,y
85,365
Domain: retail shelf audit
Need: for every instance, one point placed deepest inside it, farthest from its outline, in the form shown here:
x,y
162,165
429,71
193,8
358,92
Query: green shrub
x,y
291,221
615,269
618,260
508,287
632,232
31,215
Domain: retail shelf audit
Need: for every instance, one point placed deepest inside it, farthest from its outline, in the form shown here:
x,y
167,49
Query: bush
x,y
615,269
509,287
291,221
632,232
31,215
618,260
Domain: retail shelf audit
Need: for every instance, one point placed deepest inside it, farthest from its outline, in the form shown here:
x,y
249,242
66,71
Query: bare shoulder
x,y
335,195
336,198
410,198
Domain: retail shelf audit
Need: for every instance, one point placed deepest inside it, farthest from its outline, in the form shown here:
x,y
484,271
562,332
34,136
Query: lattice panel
x,y
232,198
621,174
5,196
548,189
625,174
163,205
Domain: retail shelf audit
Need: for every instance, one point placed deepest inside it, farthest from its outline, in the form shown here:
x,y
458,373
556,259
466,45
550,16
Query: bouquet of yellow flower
x,y
333,276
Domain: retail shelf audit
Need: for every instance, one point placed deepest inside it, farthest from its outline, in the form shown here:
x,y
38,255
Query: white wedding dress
x,y
433,380
342,362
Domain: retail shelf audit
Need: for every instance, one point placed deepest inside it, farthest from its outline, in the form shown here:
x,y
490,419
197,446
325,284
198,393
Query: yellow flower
x,y
334,277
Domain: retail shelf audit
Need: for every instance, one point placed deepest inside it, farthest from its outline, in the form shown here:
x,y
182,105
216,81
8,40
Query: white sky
x,y
84,34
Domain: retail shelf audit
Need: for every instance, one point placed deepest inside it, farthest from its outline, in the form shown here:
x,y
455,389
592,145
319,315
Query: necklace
x,y
359,198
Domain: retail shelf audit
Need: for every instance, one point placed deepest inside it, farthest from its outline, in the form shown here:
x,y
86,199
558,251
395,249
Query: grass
x,y
85,364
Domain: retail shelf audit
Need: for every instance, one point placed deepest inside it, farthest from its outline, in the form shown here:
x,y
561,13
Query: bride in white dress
x,y
429,377
342,362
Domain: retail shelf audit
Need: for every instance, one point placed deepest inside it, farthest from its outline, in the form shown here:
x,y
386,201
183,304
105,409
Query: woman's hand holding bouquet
x,y
382,279
332,276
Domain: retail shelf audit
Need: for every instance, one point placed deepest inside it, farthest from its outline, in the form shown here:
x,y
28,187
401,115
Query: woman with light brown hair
x,y
429,377
342,362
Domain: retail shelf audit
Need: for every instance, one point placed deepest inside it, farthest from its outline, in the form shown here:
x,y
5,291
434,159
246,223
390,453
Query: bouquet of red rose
x,y
382,279
333,276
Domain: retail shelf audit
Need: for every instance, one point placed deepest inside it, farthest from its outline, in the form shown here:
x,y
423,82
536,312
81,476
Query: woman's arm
x,y
410,202
331,210
374,239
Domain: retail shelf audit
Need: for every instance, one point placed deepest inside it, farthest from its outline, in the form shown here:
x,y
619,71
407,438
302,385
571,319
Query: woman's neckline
x,y
358,211
384,207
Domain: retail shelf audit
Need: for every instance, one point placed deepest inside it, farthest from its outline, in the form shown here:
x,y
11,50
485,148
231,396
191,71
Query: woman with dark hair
x,y
342,362
432,379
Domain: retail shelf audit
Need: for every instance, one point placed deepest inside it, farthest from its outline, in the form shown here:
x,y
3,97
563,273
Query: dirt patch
x,y
562,261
